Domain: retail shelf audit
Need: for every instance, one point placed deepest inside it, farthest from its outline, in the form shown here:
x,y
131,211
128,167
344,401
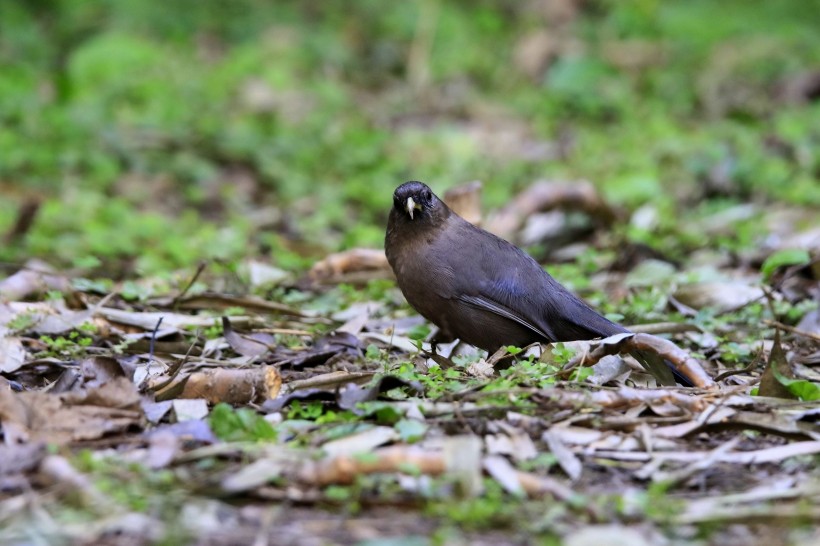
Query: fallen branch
x,y
622,397
234,386
768,455
344,469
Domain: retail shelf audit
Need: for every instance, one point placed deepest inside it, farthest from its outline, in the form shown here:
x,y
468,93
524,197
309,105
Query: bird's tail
x,y
661,369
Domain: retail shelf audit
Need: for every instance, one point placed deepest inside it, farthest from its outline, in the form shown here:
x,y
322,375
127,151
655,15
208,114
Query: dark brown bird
x,y
480,288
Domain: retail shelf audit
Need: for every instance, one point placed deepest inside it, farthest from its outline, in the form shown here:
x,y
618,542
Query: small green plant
x,y
72,346
240,425
309,411
22,322
419,332
782,258
561,353
494,509
373,352
800,388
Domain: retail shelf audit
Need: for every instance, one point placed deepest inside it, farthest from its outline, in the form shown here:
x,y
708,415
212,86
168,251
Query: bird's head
x,y
416,202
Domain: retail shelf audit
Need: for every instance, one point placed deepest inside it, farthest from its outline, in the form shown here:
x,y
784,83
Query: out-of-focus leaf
x,y
262,274
723,296
787,256
12,353
801,388
363,441
462,455
190,409
504,473
240,425
253,475
410,430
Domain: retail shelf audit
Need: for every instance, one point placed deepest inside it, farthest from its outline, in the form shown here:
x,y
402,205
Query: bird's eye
x,y
428,196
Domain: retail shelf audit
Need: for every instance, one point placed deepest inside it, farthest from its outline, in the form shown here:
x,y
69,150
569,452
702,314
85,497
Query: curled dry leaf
x,y
644,345
544,195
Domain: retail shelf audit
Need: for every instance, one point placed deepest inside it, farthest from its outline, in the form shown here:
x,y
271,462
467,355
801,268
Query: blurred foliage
x,y
157,131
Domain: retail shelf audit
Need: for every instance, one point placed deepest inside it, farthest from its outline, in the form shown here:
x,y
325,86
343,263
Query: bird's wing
x,y
541,305
494,307
492,274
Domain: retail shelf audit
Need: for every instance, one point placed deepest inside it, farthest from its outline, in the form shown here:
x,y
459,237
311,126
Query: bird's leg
x,y
439,337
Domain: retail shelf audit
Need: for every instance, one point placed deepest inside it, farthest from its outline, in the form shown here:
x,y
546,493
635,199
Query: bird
x,y
480,288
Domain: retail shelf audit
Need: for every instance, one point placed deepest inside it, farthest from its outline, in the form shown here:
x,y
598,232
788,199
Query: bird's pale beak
x,y
411,206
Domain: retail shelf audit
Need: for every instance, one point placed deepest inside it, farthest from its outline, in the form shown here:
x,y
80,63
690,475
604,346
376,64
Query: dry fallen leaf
x,y
722,296
12,353
566,458
65,419
777,365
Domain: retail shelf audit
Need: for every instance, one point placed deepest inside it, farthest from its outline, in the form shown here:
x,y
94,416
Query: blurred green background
x,y
158,133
